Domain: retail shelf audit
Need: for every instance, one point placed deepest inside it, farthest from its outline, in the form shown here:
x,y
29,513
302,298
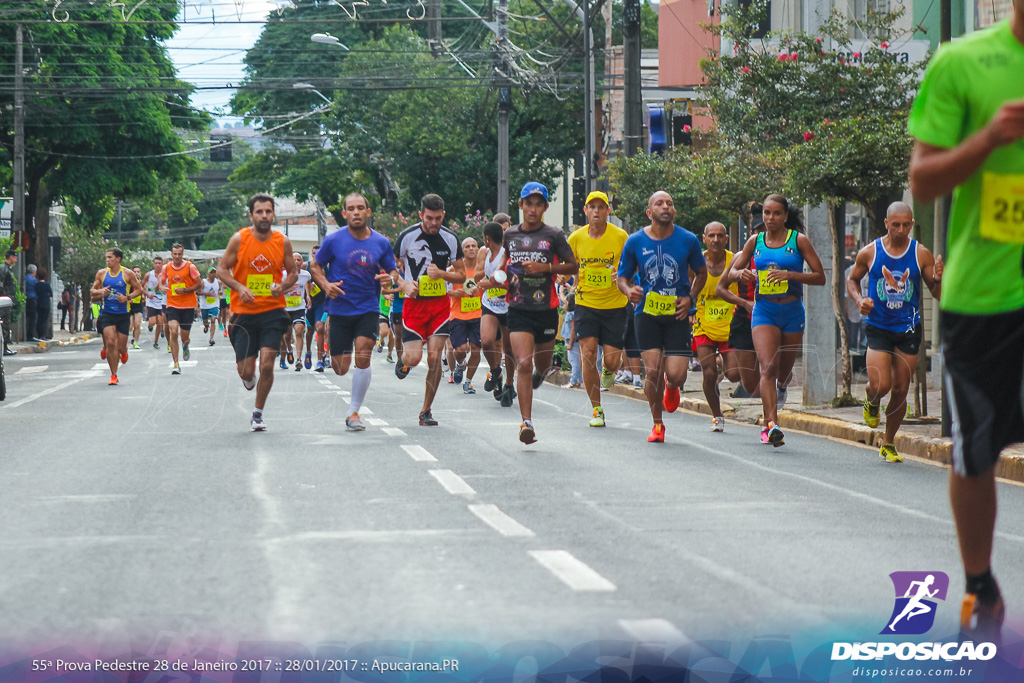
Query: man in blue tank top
x,y
113,288
895,265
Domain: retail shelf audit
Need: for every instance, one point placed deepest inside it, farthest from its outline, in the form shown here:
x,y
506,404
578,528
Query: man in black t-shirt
x,y
535,254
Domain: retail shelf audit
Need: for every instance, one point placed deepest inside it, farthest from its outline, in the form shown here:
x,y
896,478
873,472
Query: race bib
x,y
431,287
597,278
1002,207
496,293
178,289
716,309
293,301
137,300
470,304
765,287
211,300
259,284
314,290
660,304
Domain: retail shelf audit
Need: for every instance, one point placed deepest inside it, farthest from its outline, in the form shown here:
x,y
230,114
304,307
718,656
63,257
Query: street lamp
x,y
327,39
312,88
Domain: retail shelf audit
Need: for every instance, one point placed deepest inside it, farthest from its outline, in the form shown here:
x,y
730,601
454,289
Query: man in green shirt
x,y
968,121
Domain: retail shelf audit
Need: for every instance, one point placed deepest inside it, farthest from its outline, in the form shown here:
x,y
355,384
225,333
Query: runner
x,y
256,267
209,303
354,258
661,253
968,120
535,254
314,324
465,325
494,337
136,308
741,363
181,281
777,320
114,286
600,314
426,250
896,265
712,319
295,306
384,325
155,300
397,306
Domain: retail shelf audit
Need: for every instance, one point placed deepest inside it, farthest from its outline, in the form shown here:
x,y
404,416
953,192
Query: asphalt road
x,y
150,507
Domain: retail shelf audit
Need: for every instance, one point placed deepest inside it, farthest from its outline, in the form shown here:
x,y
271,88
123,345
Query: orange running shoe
x,y
657,434
113,381
981,621
671,400
124,358
103,353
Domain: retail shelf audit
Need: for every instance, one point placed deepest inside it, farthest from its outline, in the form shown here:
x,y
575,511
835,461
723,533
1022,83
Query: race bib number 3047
x,y
1002,207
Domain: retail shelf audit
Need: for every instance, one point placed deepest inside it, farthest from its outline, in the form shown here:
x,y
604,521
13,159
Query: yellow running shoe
x,y
889,454
598,419
870,413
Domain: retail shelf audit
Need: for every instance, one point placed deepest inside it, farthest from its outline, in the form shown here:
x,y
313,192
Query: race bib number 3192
x,y
659,304
1002,207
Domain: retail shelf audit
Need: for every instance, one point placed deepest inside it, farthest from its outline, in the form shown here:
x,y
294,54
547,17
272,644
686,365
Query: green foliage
x,y
19,296
634,179
726,179
219,234
85,254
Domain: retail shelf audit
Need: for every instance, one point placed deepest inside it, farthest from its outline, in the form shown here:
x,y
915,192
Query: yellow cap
x,y
597,194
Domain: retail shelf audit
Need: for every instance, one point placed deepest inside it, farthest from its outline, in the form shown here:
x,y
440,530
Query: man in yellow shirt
x,y
601,313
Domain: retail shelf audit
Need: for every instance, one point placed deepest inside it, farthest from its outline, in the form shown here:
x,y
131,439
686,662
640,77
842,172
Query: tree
x,y
849,160
726,179
102,111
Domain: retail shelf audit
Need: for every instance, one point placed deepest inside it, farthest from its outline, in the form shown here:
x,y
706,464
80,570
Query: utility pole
x,y
504,104
18,215
434,24
942,207
633,113
588,93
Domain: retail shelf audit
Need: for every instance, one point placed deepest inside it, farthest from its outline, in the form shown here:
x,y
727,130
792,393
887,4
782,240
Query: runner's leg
x,y
435,345
591,375
767,339
523,345
903,366
708,358
654,386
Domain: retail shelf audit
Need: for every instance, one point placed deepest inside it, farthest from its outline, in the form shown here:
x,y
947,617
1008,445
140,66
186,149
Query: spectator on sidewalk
x,y
65,306
30,301
8,287
44,306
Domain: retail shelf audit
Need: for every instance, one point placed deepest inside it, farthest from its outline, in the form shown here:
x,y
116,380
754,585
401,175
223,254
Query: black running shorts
x,y
543,325
250,332
184,316
607,324
880,339
664,332
122,322
345,328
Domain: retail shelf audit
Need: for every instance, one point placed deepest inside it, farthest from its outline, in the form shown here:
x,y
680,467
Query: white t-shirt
x,y
210,294
151,283
299,304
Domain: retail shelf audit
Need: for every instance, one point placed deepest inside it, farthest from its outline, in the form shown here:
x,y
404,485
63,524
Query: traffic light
x,y
682,123
579,198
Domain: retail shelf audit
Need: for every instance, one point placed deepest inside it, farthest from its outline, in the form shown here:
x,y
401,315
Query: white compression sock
x,y
360,385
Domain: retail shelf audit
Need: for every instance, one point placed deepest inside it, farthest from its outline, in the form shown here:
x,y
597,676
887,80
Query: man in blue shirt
x,y
349,268
662,254
30,301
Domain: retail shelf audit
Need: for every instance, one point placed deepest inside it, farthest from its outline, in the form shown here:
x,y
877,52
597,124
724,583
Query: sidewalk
x,y
60,338
918,436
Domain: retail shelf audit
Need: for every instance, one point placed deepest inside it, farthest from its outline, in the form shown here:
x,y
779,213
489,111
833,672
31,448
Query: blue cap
x,y
534,188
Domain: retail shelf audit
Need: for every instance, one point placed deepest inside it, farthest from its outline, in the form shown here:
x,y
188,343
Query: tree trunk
x,y
838,283
41,221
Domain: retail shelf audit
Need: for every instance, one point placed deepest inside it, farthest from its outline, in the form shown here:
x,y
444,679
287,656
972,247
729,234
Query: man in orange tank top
x,y
258,267
180,280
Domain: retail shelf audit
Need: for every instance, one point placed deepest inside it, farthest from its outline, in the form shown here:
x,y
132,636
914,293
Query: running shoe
x,y
981,621
457,375
493,380
598,419
309,360
401,370
354,424
657,434
185,354
225,333
451,379
889,453
427,420
607,378
781,394
212,342
499,390
206,326
298,367
175,370
506,397
284,366
103,353
527,434
389,359
319,366
870,413
249,384
113,381
623,378
671,399
512,391
380,347
638,382
168,348
156,346
764,435
718,424
467,387
775,436
135,345
256,424
124,358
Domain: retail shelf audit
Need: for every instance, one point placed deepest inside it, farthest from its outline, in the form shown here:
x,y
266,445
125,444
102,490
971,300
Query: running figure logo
x,y
914,611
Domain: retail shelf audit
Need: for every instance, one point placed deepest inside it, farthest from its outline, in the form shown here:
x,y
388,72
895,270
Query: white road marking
x,y
375,422
418,453
46,392
452,483
101,366
574,573
654,631
393,431
493,517
32,369
364,410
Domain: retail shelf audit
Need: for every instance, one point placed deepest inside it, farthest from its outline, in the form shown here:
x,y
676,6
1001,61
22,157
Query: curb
x,y
940,450
43,347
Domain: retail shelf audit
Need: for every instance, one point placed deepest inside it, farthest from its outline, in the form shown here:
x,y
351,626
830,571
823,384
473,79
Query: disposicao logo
x,y
913,613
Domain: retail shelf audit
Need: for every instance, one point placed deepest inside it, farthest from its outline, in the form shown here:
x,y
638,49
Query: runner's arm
x,y
860,268
817,274
289,267
98,291
931,270
685,303
227,264
731,274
